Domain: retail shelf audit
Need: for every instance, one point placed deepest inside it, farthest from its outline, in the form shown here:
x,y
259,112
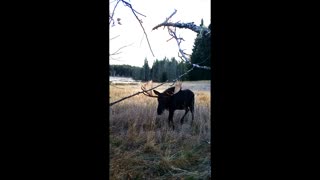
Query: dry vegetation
x,y
142,146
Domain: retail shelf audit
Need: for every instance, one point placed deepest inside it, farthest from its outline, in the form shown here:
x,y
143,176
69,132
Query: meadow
x,y
142,146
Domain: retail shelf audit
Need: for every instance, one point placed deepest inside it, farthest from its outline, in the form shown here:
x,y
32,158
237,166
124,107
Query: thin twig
x,y
115,59
117,51
111,17
134,13
130,6
167,19
114,37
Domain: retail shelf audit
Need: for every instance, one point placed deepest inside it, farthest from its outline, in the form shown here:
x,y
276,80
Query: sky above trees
x,y
130,32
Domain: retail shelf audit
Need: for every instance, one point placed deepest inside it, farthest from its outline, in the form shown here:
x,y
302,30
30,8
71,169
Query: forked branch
x,y
189,25
172,33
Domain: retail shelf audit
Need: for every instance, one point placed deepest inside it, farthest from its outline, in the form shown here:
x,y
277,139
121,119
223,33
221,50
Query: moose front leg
x,y
187,110
170,119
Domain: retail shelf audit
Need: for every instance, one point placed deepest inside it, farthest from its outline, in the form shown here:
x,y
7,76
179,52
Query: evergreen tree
x,y
164,77
161,69
172,69
181,69
120,70
155,71
136,73
142,74
201,54
146,70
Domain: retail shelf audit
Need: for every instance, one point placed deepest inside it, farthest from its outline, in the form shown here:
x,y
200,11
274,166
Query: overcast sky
x,y
155,11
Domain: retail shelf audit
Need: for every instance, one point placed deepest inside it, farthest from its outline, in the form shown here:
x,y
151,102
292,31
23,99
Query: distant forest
x,y
160,71
166,69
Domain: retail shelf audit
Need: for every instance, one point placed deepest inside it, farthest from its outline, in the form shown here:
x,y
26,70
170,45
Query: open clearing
x,y
142,146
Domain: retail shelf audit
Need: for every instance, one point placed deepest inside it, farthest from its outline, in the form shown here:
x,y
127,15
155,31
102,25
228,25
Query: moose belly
x,y
180,106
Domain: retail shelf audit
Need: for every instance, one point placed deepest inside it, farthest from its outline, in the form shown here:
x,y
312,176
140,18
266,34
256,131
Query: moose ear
x,y
156,92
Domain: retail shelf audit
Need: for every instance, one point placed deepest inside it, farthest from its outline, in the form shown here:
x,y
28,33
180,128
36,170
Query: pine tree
x,y
155,70
201,54
146,70
172,69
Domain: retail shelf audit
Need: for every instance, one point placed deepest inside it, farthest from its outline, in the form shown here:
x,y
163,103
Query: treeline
x,y
160,71
122,70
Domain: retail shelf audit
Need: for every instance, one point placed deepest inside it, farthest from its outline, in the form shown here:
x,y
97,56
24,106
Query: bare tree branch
x,y
111,17
167,19
117,51
111,20
114,37
172,33
130,6
184,57
140,22
115,58
190,26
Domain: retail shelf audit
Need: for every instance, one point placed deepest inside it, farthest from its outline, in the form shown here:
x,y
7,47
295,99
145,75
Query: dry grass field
x,y
142,146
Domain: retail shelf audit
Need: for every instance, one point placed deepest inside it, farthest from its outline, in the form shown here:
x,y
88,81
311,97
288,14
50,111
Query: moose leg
x,y
171,118
187,110
192,111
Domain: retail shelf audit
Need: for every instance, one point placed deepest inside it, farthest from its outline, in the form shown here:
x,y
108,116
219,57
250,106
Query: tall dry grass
x,y
142,146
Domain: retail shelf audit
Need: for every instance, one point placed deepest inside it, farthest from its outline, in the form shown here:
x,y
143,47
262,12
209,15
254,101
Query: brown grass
x,y
142,146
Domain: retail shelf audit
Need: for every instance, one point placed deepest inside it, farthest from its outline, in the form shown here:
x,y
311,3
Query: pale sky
x,y
156,11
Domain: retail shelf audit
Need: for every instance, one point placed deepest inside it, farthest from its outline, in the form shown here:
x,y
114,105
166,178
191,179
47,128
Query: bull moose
x,y
172,99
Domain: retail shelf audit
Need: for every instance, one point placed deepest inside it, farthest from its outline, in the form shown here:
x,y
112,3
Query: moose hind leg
x,y
170,119
181,121
192,112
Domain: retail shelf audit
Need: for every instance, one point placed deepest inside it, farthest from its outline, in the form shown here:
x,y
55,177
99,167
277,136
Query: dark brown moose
x,y
172,99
